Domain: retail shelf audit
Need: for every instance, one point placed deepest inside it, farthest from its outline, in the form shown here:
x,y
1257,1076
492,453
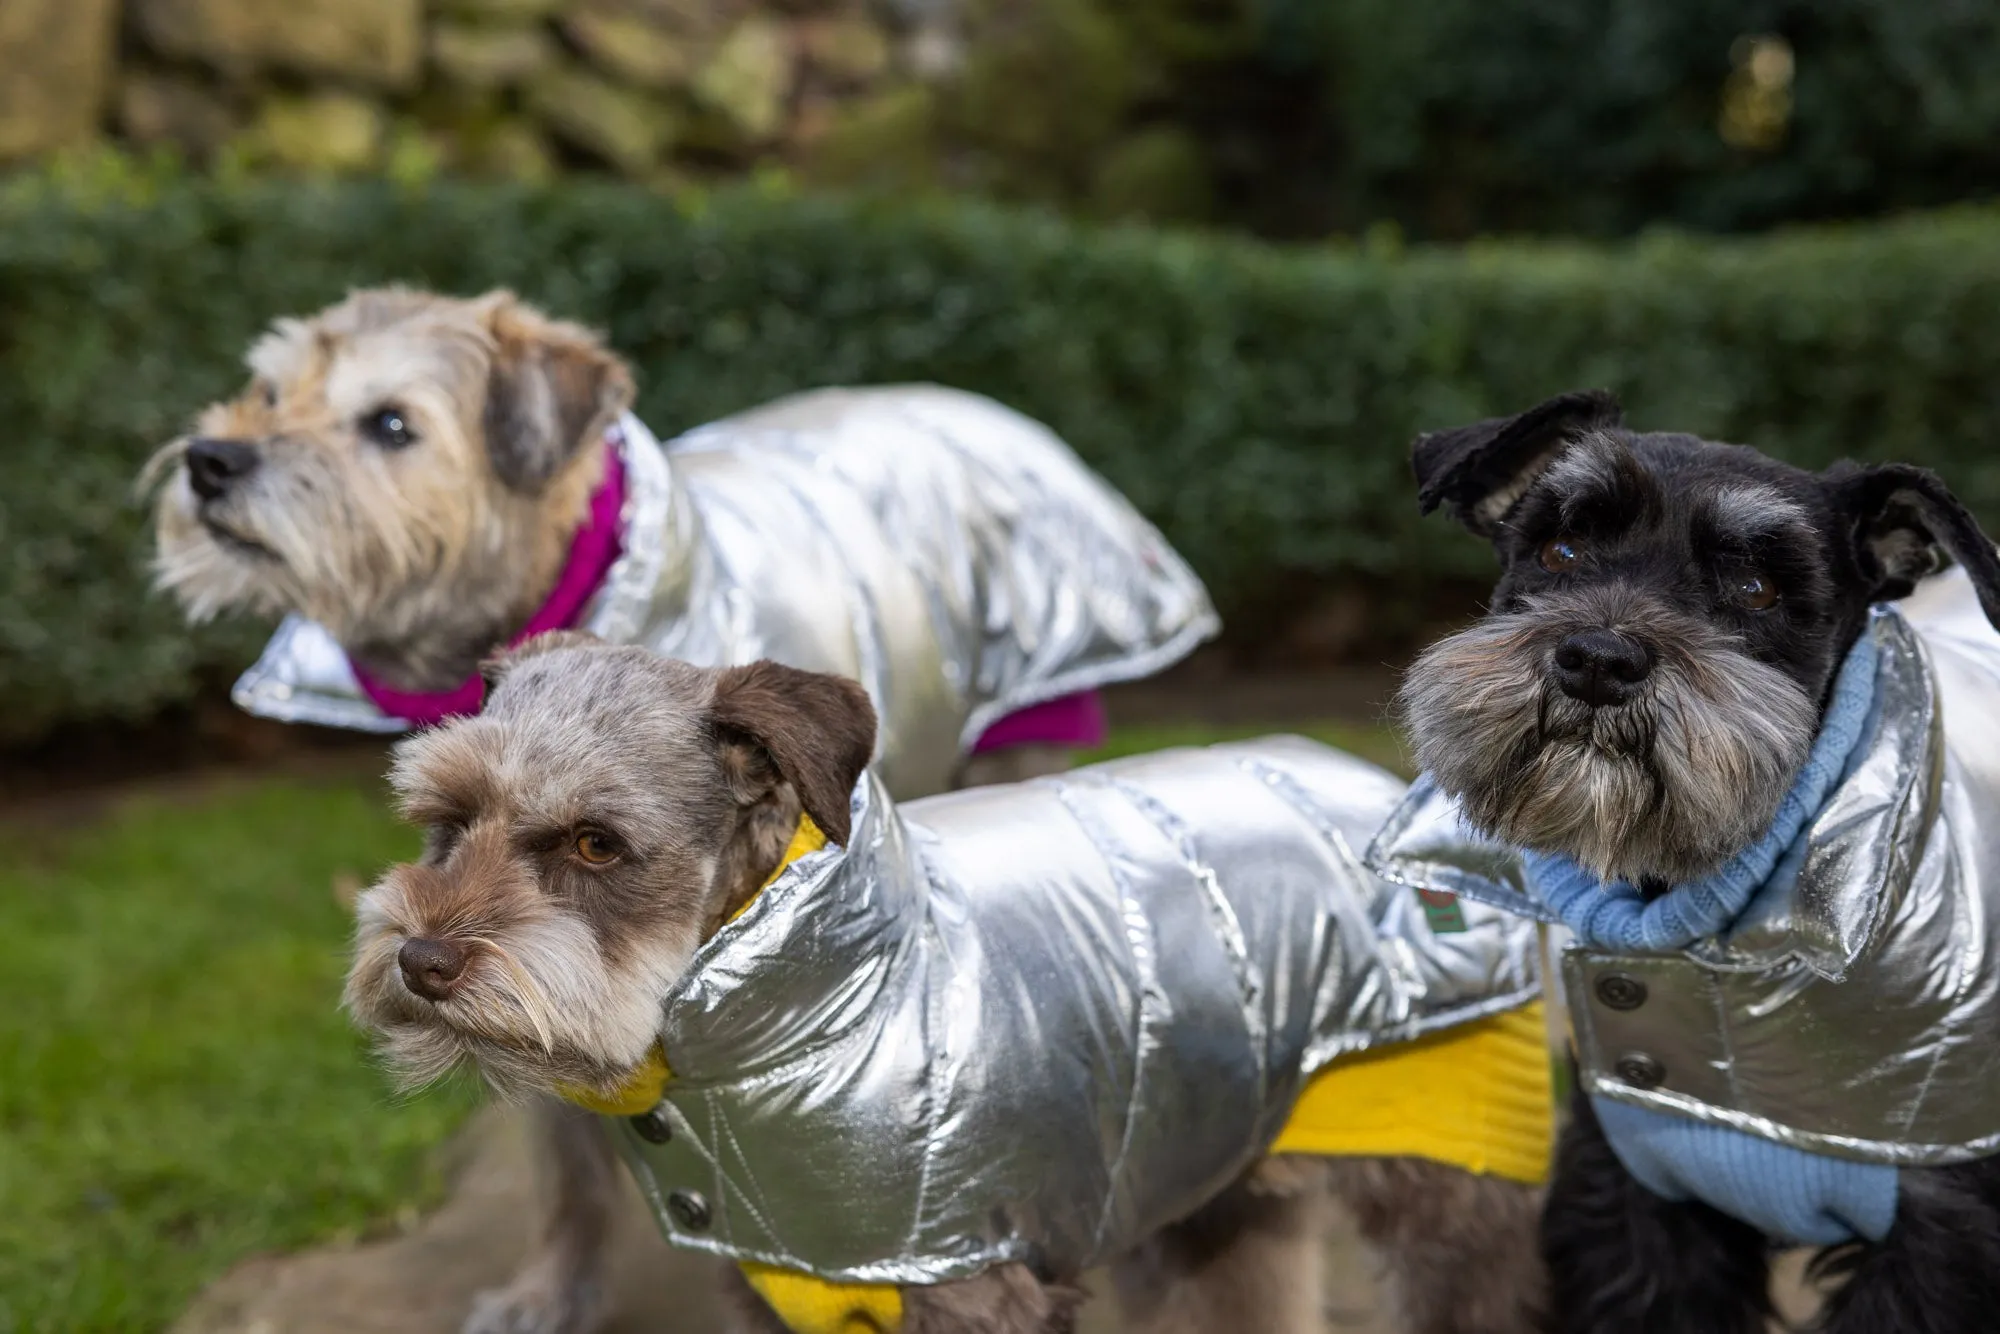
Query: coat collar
x,y
1820,904
304,675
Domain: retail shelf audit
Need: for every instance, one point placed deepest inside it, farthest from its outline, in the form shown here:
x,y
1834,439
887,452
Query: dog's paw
x,y
533,1305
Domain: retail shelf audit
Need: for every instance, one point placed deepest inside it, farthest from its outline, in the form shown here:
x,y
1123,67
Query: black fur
x,y
1653,525
1624,1261
1938,1271
1463,466
1606,531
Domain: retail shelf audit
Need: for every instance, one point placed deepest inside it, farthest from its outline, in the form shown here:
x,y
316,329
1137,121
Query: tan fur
x,y
418,559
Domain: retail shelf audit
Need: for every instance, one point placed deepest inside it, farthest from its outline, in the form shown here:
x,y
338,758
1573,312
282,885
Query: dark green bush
x,y
1256,402
1605,116
1452,118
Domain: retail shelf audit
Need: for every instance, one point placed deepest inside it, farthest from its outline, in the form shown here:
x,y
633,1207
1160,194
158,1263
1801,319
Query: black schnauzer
x,y
1651,674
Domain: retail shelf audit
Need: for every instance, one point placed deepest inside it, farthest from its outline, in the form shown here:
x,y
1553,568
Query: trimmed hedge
x,y
1256,402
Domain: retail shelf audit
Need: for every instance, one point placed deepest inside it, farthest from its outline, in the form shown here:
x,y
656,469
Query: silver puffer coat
x,y
950,554
1854,1009
1035,1023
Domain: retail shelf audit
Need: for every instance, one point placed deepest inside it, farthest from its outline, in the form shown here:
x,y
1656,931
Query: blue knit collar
x,y
1615,916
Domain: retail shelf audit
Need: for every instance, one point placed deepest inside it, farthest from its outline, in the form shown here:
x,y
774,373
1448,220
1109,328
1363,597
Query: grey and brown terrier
x,y
595,835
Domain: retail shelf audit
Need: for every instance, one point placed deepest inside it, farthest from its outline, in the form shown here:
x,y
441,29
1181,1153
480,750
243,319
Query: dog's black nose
x,y
1601,667
213,464
431,968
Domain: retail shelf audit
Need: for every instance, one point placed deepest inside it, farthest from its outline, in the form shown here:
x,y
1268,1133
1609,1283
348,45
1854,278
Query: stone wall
x,y
652,89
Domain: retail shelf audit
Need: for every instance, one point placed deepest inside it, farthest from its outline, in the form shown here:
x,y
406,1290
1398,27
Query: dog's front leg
x,y
1938,1270
561,1288
1621,1260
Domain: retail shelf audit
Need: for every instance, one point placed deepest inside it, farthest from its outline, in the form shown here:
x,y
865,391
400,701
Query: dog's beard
x,y
210,566
536,1007
1666,787
429,580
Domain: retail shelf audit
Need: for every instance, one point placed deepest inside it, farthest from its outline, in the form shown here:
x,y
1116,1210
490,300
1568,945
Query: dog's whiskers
x,y
526,993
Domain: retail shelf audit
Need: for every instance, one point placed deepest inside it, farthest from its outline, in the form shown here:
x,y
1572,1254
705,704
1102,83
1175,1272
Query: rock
x,y
157,107
813,119
321,133
847,50
693,18
374,42
505,10
630,47
624,127
934,52
884,140
57,63
514,150
478,56
748,79
413,153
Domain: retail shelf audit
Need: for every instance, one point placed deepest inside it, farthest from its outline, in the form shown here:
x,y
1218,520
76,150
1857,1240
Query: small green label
x,y
1441,910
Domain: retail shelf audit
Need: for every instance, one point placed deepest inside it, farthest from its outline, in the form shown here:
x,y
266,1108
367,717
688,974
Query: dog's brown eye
x,y
389,428
270,394
1559,554
596,848
1756,591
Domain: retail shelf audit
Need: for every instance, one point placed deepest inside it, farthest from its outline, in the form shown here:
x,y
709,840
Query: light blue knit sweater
x,y
1805,1198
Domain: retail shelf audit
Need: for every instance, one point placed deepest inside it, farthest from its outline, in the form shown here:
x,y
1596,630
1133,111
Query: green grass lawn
x,y
178,1088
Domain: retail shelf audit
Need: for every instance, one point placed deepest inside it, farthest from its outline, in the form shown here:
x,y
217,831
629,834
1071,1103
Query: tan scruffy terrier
x,y
929,1062
419,561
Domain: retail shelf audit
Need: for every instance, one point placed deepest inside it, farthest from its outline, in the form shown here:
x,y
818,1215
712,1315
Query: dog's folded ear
x,y
811,729
494,667
1477,472
551,391
1898,516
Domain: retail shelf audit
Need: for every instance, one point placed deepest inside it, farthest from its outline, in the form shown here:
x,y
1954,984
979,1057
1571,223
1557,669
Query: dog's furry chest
x,y
1038,1023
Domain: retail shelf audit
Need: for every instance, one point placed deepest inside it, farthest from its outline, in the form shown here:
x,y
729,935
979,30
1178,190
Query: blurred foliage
x,y
1291,119
1296,118
1256,402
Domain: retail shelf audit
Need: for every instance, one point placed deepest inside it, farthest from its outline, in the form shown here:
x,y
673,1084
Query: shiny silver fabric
x,y
950,554
1037,1022
1854,1009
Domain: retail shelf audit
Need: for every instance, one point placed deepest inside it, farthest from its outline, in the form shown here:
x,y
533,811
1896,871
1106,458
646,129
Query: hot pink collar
x,y
591,552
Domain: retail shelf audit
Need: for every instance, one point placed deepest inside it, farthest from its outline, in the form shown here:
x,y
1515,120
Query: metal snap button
x,y
1620,991
689,1209
653,1126
1640,1070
